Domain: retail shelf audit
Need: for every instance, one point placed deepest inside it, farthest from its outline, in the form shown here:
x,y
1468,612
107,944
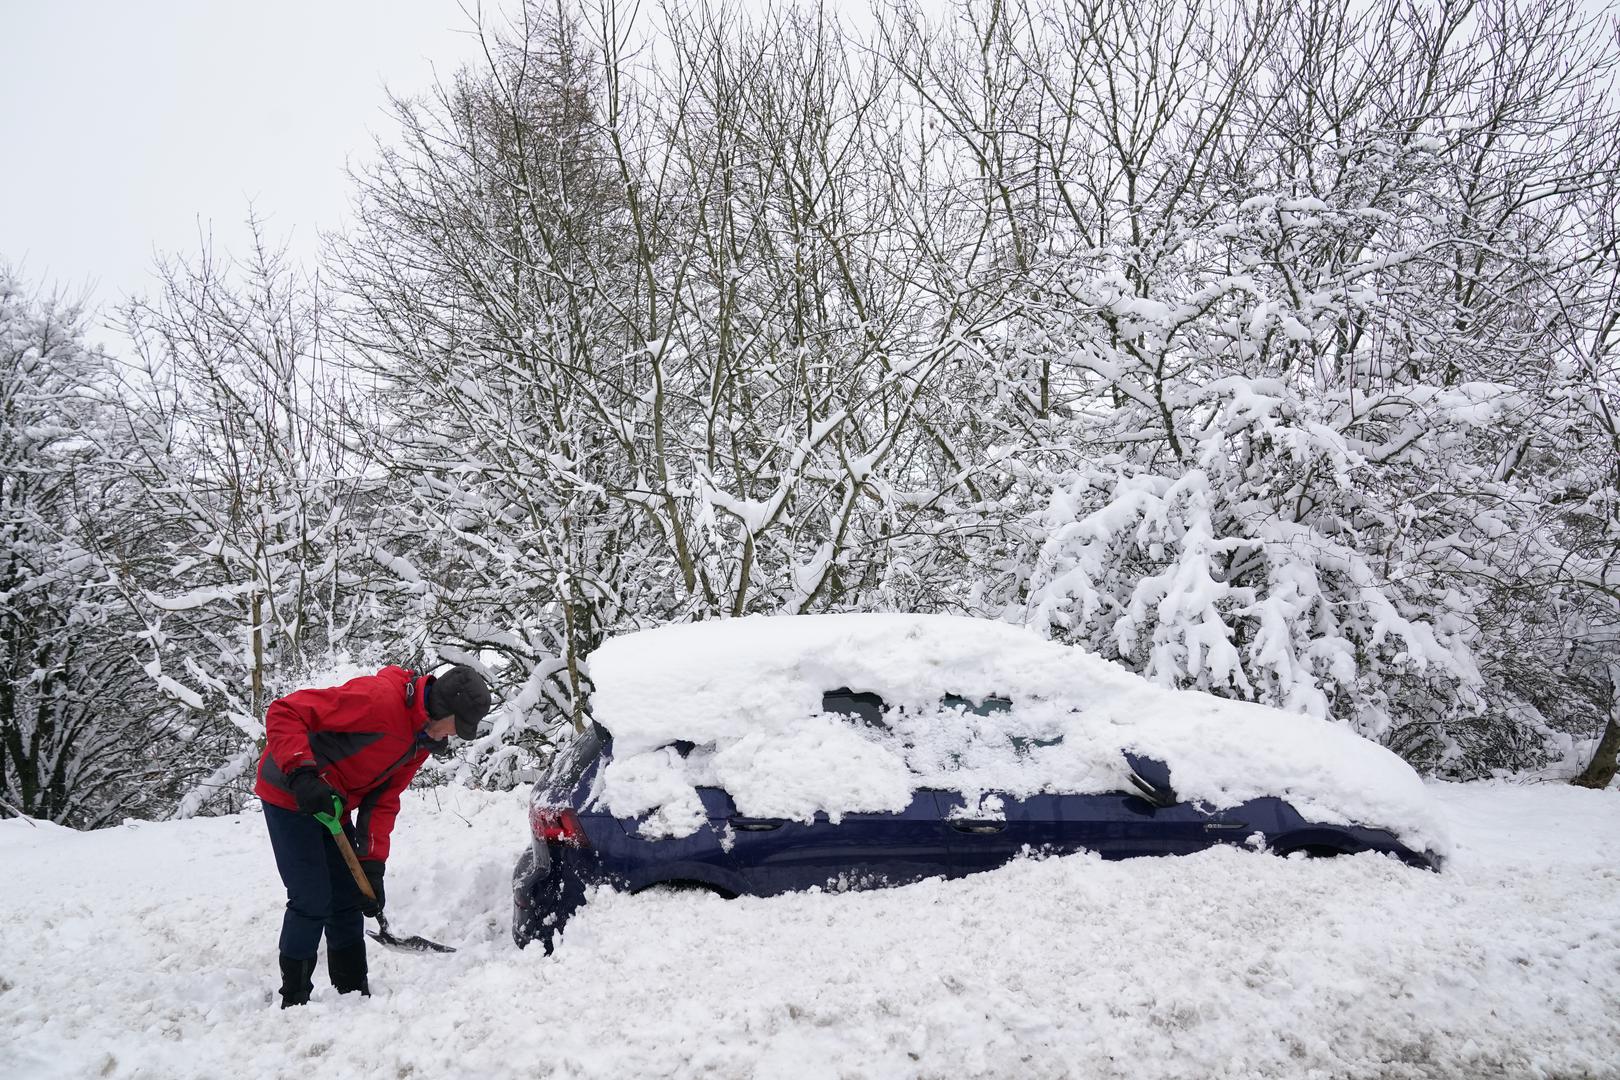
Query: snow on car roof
x,y
748,694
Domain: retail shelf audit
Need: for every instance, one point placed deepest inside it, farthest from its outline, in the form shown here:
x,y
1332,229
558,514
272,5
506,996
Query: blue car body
x,y
577,845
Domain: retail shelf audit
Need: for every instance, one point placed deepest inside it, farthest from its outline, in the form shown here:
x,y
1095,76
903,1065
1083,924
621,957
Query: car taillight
x,y
557,825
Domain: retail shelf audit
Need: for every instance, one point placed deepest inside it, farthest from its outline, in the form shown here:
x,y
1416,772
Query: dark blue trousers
x,y
321,893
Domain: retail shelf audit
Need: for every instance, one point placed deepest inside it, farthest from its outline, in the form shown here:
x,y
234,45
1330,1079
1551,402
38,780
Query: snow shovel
x,y
334,824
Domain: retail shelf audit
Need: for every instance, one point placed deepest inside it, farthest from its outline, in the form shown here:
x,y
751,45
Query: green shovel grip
x,y
334,820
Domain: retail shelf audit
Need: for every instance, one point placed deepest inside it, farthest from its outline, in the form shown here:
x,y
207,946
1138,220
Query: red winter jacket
x,y
367,738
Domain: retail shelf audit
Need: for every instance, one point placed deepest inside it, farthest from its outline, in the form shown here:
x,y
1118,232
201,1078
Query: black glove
x,y
374,877
314,795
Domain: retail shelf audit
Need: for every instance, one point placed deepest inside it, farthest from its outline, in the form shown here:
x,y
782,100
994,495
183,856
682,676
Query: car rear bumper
x,y
548,886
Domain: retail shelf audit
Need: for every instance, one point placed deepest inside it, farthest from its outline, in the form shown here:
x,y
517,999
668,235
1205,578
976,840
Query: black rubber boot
x,y
347,966
297,980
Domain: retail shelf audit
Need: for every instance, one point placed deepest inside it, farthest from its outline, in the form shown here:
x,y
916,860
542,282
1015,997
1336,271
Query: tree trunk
x,y
1601,769
1606,760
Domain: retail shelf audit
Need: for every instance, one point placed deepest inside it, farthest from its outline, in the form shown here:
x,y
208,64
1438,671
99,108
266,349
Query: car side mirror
x,y
1151,777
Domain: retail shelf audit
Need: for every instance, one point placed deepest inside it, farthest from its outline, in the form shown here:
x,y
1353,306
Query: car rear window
x,y
571,761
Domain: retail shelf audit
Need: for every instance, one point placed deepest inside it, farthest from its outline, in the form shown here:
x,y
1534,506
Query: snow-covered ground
x,y
149,951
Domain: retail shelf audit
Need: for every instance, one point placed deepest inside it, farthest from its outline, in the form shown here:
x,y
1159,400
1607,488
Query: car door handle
x,y
1224,826
979,826
756,824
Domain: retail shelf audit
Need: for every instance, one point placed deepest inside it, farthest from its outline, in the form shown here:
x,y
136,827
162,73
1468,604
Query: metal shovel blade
x,y
408,944
334,823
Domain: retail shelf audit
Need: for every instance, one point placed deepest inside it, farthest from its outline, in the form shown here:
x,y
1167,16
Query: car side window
x,y
865,708
995,705
989,706
944,739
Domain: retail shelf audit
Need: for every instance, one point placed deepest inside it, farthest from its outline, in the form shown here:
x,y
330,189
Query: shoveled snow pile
x,y
149,951
748,694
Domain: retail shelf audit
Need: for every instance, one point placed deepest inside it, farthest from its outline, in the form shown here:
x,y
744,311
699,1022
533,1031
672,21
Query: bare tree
x,y
74,731
253,483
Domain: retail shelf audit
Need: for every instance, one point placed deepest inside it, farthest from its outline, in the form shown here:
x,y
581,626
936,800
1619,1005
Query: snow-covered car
x,y
769,754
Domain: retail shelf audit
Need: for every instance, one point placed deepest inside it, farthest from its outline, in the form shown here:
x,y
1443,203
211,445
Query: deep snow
x,y
149,951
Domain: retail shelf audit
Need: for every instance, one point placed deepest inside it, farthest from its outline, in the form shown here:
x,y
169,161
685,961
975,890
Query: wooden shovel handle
x,y
334,824
354,865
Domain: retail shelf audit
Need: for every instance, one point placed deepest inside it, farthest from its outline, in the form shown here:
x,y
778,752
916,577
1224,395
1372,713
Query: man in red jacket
x,y
360,743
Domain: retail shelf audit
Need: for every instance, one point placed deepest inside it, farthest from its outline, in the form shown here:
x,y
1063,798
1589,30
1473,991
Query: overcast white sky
x,y
123,123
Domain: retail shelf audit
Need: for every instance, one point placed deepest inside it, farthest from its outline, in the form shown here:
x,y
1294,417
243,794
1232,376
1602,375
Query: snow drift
x,y
148,952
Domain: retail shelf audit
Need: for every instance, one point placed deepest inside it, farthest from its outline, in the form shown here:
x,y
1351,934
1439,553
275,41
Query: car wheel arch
x,y
719,879
1315,844
686,884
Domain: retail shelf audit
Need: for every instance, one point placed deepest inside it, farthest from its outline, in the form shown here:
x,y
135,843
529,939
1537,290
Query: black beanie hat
x,y
461,692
